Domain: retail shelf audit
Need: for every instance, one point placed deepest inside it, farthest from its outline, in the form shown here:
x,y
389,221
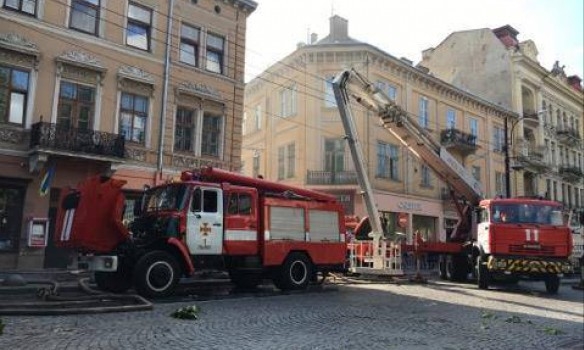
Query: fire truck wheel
x,y
552,284
114,282
483,277
156,274
296,272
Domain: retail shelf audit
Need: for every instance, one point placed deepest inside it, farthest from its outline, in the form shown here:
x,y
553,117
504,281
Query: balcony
x,y
456,140
531,119
318,177
62,139
571,173
531,157
568,136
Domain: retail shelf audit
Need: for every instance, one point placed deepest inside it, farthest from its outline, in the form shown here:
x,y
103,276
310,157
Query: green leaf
x,y
552,331
187,313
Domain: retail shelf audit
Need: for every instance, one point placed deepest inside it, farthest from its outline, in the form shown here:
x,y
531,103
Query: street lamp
x,y
507,144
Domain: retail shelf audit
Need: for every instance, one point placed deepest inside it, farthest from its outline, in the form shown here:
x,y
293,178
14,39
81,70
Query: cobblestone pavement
x,y
437,315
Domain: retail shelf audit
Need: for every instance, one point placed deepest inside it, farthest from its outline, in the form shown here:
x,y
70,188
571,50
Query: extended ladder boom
x,y
350,83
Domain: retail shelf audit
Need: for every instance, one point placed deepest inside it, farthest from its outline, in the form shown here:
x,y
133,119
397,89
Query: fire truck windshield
x,y
527,214
168,197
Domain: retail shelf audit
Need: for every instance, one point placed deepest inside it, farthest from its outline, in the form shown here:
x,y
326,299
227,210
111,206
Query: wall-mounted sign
x,y
38,232
409,206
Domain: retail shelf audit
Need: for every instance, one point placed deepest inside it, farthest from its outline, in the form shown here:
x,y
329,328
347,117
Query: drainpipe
x,y
165,88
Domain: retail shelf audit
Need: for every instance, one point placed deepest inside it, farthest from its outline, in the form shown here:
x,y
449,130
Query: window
x,y
425,176
288,101
476,172
139,27
387,161
334,155
13,95
329,95
85,16
388,89
500,185
133,117
450,118
256,164
215,52
25,6
281,164
239,204
286,161
423,118
211,140
189,45
258,117
291,161
392,92
184,130
498,139
474,127
76,106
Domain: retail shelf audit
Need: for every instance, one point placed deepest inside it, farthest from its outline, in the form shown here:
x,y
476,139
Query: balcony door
x,y
76,106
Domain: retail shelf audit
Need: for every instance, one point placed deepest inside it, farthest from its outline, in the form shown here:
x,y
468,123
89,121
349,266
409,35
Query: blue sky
x,y
406,28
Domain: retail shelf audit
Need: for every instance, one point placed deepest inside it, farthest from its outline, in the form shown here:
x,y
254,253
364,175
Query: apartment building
x,y
546,148
293,132
140,89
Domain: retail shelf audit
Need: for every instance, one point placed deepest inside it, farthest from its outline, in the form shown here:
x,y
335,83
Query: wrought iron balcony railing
x,y
571,173
458,140
568,135
318,177
64,138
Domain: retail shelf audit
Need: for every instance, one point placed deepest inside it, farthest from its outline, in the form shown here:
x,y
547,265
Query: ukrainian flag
x,y
46,181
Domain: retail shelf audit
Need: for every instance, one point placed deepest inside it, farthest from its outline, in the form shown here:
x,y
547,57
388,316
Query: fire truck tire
x,y
552,284
295,273
156,274
114,282
483,277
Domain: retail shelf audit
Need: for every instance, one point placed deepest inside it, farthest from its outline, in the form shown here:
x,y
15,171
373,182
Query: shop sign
x,y
409,206
38,231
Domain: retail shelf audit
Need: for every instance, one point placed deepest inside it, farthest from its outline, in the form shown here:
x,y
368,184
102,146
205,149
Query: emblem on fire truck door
x,y
205,231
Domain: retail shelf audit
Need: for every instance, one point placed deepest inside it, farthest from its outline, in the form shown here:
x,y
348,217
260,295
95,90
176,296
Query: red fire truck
x,y
211,219
511,237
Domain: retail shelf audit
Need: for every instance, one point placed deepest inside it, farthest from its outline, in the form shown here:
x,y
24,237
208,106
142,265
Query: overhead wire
x,y
260,77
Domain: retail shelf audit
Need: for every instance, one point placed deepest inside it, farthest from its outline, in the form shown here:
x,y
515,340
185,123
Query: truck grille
x,y
531,250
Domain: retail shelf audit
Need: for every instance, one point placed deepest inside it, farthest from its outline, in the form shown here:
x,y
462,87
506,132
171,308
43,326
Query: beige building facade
x,y
546,147
293,132
140,88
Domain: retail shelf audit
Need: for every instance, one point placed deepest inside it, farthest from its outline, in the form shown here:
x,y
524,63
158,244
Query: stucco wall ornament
x,y
135,73
200,90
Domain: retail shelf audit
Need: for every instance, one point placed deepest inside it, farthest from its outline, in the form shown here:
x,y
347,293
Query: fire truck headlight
x,y
108,263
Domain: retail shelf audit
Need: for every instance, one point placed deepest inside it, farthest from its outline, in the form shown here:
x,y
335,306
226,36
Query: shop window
x,y
11,206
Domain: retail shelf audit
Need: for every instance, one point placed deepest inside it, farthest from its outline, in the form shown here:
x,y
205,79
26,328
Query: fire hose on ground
x,y
54,304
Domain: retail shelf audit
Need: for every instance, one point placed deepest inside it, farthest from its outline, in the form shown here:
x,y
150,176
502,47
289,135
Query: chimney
x,y
507,35
575,82
339,28
313,38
